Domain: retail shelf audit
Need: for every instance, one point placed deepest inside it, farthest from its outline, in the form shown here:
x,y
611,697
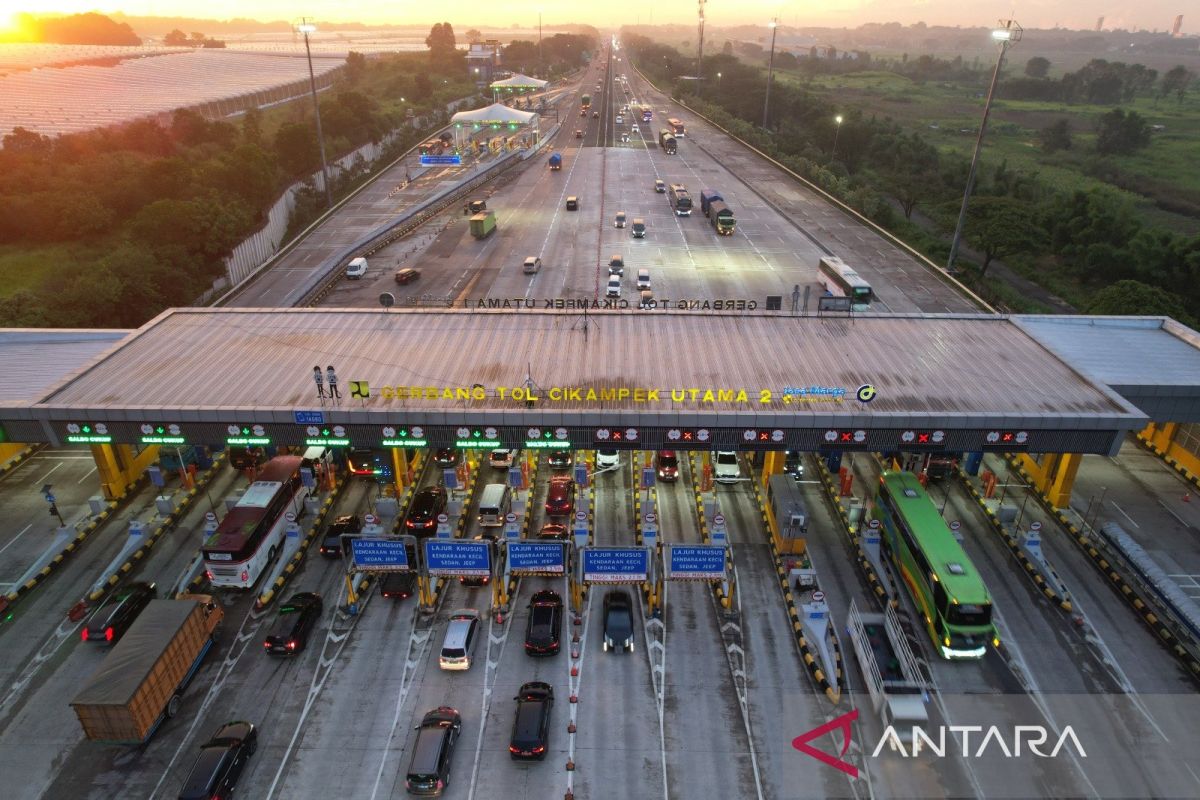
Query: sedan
x,y
426,505
297,618
543,631
109,622
553,530
220,763
560,459
398,585
531,726
560,499
446,457
667,466
331,543
618,621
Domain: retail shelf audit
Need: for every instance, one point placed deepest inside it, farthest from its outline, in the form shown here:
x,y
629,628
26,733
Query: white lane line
x,y
18,536
51,472
1126,516
411,661
1173,514
490,672
86,475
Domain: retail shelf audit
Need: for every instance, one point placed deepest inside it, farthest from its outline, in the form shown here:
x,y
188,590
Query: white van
x,y
461,634
357,268
494,504
643,279
614,286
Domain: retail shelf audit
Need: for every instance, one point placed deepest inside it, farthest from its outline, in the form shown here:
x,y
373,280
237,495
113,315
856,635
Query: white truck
x,y
890,669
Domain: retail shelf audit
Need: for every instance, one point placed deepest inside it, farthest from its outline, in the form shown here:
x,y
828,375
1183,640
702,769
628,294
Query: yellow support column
x,y
772,465
1064,479
135,465
1163,434
112,481
400,469
10,450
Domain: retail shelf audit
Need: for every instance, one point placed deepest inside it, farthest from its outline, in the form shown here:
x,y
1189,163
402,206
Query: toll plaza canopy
x,y
518,81
543,377
36,359
495,114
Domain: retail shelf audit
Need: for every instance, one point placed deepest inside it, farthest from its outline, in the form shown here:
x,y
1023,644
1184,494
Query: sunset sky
x,y
1148,14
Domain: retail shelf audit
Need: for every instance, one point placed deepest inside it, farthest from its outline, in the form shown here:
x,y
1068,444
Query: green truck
x,y
483,224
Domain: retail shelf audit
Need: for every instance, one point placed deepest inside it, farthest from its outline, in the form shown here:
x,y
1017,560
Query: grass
x,y
26,269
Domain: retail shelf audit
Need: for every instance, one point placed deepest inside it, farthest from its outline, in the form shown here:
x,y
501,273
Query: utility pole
x,y
774,25
306,28
541,63
700,50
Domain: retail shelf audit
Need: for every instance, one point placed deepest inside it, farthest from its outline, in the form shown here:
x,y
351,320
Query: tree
x,y
1037,67
356,67
1134,298
25,140
1176,80
519,55
422,87
1000,226
176,38
1056,137
727,48
441,44
1120,133
296,145
474,36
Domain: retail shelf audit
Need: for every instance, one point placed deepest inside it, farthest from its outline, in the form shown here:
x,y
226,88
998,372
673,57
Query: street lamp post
x,y
774,26
837,132
306,28
718,83
1007,35
541,67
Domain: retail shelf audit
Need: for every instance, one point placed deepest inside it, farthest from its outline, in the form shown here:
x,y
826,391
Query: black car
x,y
475,581
246,457
297,617
398,585
109,622
331,544
793,464
424,510
366,461
446,457
560,459
429,770
544,629
618,621
531,726
220,763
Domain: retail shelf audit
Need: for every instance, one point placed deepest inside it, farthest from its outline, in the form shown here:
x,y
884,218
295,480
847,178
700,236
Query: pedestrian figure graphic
x,y
320,382
331,379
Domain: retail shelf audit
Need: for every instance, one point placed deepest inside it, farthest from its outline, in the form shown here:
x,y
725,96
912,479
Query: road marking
x,y
420,639
86,475
492,673
1173,514
1126,516
51,472
18,536
65,631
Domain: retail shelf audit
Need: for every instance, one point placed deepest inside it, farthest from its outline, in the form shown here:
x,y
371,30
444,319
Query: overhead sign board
x,y
309,417
615,564
447,558
441,161
378,555
536,558
695,562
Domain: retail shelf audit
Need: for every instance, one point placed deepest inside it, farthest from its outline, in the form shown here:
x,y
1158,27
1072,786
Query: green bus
x,y
944,584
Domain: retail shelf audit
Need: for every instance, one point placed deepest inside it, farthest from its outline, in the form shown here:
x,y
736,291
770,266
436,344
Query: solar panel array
x,y
78,98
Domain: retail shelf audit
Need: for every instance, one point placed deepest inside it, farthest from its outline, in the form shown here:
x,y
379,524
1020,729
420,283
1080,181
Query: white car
x,y
607,459
501,459
726,468
614,286
624,137
634,128
357,268
620,120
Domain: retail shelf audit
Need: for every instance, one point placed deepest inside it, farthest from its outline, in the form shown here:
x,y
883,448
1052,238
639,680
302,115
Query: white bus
x,y
252,532
841,281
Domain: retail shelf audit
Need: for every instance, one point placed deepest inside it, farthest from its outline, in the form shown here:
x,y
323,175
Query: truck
x,y
586,100
721,217
893,677
483,224
666,140
556,161
139,684
706,197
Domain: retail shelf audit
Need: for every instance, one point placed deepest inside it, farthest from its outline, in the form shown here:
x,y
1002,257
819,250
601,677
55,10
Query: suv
x,y
297,617
220,763
667,464
399,585
560,499
544,629
560,459
618,621
331,544
423,513
109,622
531,726
429,769
726,467
614,286
446,457
461,633
616,263
501,458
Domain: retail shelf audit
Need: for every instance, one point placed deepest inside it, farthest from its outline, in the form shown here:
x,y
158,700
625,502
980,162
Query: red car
x,y
560,500
667,466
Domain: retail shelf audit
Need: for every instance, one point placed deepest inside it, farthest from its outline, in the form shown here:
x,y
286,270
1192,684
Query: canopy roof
x,y
519,81
495,113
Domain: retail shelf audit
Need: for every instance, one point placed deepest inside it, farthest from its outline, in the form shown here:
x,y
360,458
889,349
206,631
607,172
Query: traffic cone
x,y
1187,497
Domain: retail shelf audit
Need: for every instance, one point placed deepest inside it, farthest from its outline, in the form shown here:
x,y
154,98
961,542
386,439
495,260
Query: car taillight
x,y
84,634
208,574
441,784
108,634
539,749
514,749
267,645
291,645
245,575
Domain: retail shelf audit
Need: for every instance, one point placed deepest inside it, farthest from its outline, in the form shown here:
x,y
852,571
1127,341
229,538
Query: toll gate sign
x,y
536,558
450,558
378,555
695,562
615,564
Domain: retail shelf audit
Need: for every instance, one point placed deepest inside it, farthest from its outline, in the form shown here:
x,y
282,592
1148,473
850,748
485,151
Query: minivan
x,y
643,279
639,228
614,286
429,769
494,504
461,634
357,268
620,223
532,264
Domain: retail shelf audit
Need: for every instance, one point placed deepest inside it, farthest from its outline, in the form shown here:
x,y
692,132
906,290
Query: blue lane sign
x,y
378,554
536,558
444,557
441,161
309,417
615,564
703,562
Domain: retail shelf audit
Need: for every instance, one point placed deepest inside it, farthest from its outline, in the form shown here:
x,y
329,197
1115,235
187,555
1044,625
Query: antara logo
x,y
841,723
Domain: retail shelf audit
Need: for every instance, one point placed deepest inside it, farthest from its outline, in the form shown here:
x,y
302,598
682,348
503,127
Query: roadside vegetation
x,y
1086,185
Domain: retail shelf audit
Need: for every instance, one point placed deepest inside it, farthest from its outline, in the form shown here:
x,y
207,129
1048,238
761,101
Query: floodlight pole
x,y
306,28
774,25
1008,34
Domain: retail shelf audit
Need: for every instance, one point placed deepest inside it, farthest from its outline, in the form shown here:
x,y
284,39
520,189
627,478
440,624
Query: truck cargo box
x,y
483,224
130,694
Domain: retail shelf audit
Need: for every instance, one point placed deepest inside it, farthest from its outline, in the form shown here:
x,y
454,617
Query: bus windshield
x,y
969,614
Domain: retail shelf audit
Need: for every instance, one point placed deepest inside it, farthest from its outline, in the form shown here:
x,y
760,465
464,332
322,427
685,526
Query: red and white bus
x,y
676,127
252,532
